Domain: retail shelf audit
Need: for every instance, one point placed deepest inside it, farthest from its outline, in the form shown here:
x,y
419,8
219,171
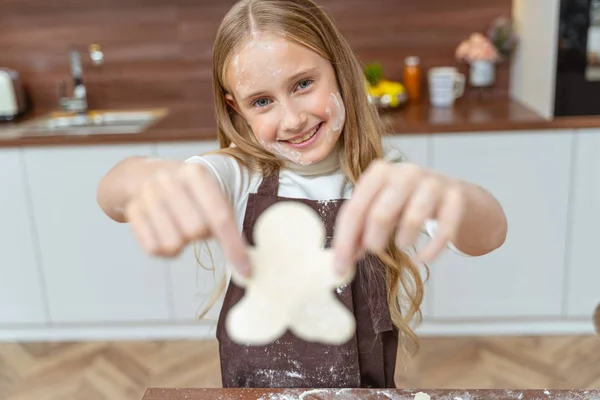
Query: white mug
x,y
446,84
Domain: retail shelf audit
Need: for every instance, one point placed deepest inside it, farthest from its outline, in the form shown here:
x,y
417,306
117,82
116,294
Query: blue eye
x,y
305,83
262,102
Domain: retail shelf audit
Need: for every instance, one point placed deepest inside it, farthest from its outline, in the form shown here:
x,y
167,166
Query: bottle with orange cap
x,y
412,78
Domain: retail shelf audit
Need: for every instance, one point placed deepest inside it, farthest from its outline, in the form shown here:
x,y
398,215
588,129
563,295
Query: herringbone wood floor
x,y
123,370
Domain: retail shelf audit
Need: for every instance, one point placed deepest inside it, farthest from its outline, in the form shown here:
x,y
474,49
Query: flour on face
x,y
284,90
285,152
335,119
246,72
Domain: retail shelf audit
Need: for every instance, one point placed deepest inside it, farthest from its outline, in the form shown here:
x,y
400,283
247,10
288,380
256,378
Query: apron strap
x,y
269,185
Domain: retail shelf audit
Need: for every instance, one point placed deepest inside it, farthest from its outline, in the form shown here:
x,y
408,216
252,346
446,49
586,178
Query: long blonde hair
x,y
361,139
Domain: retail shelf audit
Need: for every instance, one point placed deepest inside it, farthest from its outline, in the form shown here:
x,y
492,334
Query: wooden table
x,y
366,394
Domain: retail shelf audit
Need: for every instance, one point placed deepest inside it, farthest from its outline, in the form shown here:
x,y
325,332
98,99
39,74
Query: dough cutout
x,y
292,283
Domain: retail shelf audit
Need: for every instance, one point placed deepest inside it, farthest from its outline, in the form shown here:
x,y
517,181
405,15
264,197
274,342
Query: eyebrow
x,y
291,79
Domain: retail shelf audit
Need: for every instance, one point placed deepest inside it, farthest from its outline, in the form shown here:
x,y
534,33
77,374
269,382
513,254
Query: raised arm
x,y
170,203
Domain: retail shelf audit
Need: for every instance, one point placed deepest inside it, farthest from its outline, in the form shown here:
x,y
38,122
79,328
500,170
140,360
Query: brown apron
x,y
368,360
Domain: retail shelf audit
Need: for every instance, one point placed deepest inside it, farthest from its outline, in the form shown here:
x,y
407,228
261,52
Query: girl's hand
x,y
181,203
403,196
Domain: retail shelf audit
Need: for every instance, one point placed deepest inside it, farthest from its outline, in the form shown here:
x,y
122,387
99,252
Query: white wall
x,y
533,68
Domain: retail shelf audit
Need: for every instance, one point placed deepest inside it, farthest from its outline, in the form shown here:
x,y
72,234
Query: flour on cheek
x,y
337,117
340,116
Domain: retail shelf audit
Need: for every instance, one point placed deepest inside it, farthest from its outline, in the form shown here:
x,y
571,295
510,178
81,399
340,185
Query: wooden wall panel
x,y
158,52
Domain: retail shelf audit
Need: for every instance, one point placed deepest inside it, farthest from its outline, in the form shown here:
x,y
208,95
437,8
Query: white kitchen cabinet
x,y
529,174
583,271
21,282
414,147
184,150
95,271
193,282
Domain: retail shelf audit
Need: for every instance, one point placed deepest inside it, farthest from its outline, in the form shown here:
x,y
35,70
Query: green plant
x,y
374,73
502,34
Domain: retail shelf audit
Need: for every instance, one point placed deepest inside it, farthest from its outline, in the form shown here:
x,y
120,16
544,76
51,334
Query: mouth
x,y
306,137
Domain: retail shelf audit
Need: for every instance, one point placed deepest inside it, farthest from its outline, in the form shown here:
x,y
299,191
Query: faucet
x,y
78,101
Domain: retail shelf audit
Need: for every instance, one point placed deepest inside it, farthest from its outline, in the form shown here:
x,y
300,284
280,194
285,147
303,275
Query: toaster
x,y
13,102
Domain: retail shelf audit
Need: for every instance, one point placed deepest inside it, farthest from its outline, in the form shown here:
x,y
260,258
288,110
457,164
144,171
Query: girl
x,y
294,123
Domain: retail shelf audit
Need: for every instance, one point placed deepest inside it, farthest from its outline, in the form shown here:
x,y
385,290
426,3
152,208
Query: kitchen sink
x,y
93,122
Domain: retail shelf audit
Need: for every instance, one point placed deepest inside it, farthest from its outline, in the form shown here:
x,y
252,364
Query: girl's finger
x,y
205,192
187,217
421,206
450,214
352,216
169,238
384,216
142,229
388,207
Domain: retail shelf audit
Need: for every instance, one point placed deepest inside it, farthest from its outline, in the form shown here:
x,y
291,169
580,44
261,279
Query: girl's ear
x,y
231,102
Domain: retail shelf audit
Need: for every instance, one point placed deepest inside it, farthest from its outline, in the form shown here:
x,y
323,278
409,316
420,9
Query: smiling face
x,y
288,95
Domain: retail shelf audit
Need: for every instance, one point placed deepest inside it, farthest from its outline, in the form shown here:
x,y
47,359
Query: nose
x,y
292,119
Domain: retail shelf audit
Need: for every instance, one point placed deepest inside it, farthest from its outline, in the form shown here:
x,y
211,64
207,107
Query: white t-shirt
x,y
321,181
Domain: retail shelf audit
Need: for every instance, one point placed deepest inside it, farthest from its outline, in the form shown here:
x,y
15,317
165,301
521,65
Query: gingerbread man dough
x,y
292,283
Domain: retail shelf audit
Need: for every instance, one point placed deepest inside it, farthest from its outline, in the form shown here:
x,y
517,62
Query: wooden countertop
x,y
480,116
185,124
365,394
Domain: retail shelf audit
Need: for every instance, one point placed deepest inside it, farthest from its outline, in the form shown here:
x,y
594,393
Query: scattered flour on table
x,y
346,394
343,394
569,395
557,395
518,395
309,392
294,395
404,394
279,396
386,394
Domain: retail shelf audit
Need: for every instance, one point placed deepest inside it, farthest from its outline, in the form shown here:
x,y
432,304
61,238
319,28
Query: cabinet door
x,y
21,283
184,150
583,272
95,270
414,147
194,280
529,174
